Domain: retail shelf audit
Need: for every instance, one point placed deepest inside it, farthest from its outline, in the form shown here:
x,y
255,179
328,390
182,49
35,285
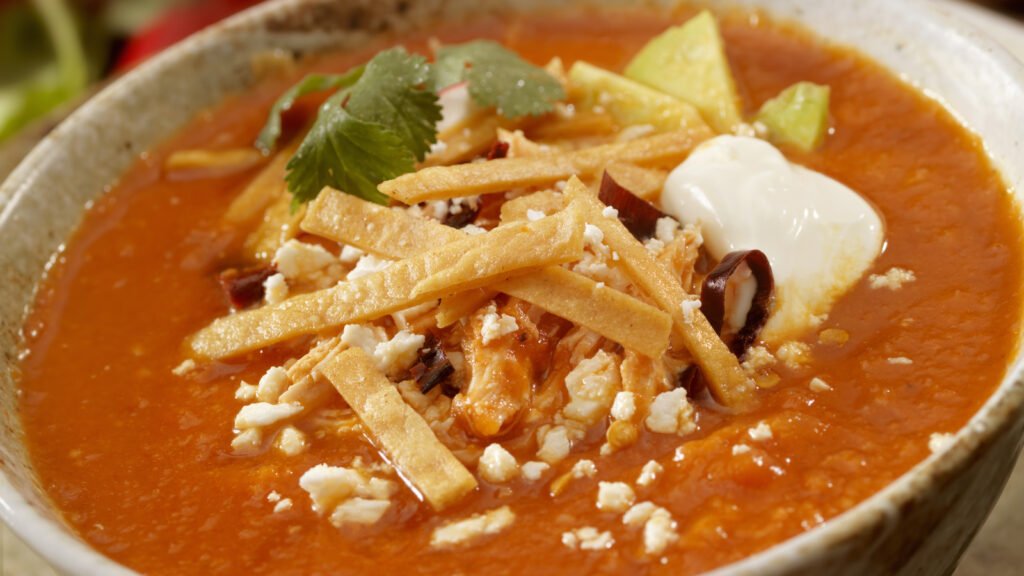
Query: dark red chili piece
x,y
244,287
637,215
498,150
712,296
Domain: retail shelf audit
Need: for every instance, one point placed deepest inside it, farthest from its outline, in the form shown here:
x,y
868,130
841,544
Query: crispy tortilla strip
x,y
501,253
546,201
280,224
582,123
458,306
184,164
726,379
616,316
643,182
307,389
373,228
636,325
424,463
441,182
268,185
468,139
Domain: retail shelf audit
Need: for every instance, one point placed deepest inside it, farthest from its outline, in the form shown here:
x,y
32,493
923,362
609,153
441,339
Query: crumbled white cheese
x,y
365,337
659,532
554,444
819,385
592,386
614,496
272,384
398,353
497,465
347,495
649,473
291,441
893,279
368,264
275,289
534,215
350,254
533,470
584,469
901,360
665,229
476,526
794,354
659,527
609,212
761,432
247,442
689,308
283,505
757,358
263,414
302,261
474,230
671,413
940,441
273,496
588,538
739,449
593,237
359,510
679,455
495,326
246,392
624,406
184,368
654,246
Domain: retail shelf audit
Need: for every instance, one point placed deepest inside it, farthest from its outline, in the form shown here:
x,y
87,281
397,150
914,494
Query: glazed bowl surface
x,y
920,524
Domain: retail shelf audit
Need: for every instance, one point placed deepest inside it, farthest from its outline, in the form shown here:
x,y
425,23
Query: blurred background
x,y
55,53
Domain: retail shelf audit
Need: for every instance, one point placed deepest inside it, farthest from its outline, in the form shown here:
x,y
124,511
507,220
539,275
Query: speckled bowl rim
x,y
71,555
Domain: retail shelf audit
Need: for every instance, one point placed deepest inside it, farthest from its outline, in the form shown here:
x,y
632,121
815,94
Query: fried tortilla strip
x,y
458,306
467,263
383,231
546,201
468,139
184,164
268,185
726,379
280,223
646,183
307,389
636,325
439,182
424,463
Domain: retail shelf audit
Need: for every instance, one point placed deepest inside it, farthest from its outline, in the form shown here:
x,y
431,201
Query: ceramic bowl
x,y
918,525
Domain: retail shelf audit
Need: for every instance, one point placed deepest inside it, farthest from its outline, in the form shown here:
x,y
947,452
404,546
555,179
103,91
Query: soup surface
x,y
140,460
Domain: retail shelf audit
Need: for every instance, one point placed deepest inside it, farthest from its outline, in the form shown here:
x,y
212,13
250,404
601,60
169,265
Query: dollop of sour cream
x,y
819,235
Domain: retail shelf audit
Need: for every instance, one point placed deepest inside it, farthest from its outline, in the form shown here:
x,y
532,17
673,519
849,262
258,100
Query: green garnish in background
x,y
383,117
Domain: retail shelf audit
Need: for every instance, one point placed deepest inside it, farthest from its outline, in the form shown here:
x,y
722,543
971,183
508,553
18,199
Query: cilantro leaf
x,y
368,133
347,153
393,92
312,83
498,77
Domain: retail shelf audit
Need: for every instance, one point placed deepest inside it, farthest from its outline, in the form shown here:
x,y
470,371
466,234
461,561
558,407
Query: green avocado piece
x,y
629,102
689,62
798,115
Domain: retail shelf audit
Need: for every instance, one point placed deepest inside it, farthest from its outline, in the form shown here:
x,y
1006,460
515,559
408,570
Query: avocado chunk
x,y
689,62
631,103
798,115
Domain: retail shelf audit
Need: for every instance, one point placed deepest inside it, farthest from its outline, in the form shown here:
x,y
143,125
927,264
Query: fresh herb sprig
x,y
383,117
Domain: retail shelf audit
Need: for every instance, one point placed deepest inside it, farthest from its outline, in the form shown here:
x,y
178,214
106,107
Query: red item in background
x,y
174,25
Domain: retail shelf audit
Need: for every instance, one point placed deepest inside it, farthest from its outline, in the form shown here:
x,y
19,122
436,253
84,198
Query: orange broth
x,y
140,461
